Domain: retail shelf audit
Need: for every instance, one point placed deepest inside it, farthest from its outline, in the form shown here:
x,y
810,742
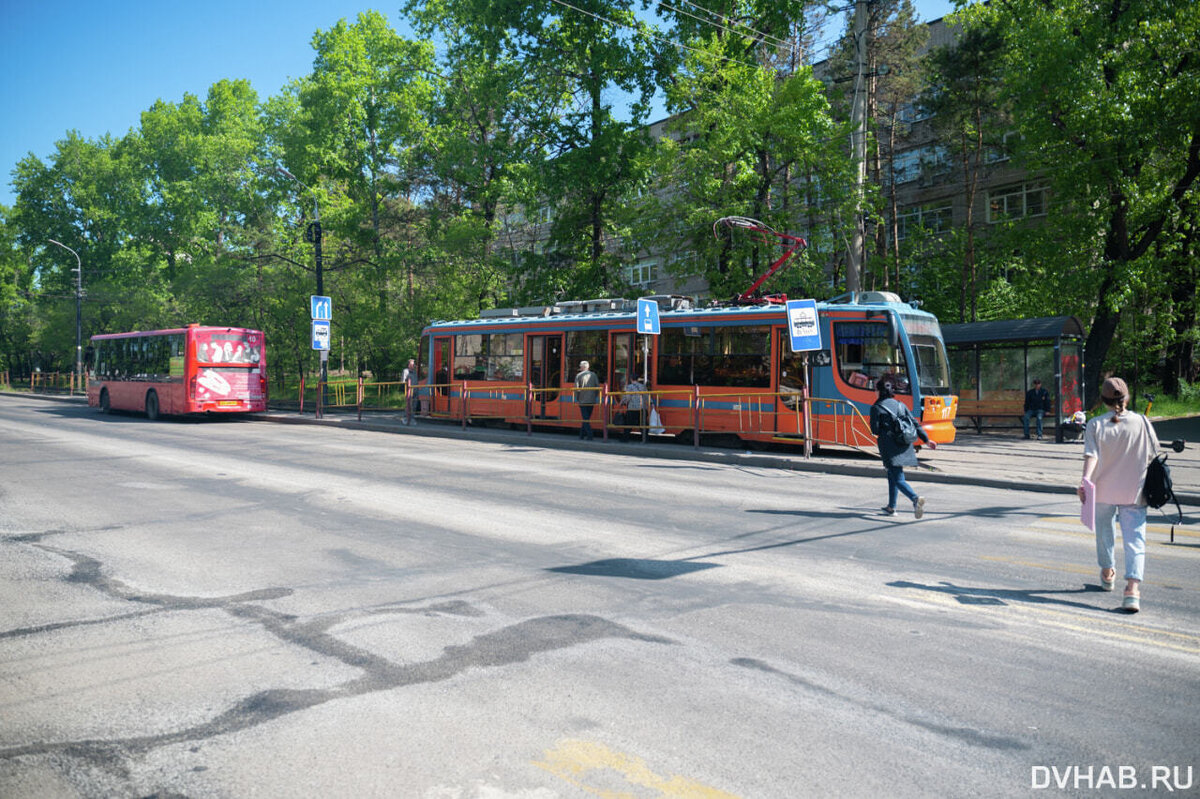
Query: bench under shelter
x,y
992,365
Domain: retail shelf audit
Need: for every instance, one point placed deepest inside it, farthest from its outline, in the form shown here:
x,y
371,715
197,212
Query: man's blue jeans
x,y
1025,421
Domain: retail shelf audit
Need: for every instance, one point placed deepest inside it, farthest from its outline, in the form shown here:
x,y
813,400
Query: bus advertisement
x,y
191,370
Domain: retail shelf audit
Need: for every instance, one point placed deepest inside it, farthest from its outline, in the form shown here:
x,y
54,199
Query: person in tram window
x,y
587,394
894,450
1037,405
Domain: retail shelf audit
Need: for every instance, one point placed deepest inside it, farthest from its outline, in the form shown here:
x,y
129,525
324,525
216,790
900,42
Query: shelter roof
x,y
1043,328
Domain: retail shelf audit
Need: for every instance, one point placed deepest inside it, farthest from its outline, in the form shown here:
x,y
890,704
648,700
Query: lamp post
x,y
78,270
313,234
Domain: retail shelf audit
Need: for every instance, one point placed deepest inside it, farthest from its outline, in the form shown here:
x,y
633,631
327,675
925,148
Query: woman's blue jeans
x,y
1133,535
896,482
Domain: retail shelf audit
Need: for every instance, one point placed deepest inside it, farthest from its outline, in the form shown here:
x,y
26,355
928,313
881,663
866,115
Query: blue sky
x,y
94,67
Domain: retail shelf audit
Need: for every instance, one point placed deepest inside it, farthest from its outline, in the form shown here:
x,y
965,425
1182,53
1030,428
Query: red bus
x,y
195,369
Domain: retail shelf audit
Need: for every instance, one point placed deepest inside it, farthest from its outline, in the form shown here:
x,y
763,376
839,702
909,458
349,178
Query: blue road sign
x,y
322,307
648,324
803,325
321,334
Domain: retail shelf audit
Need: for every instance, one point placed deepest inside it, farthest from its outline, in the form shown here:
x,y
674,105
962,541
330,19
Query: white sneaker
x,y
918,507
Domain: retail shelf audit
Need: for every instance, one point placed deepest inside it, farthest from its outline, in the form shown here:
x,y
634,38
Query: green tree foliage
x,y
748,143
1105,99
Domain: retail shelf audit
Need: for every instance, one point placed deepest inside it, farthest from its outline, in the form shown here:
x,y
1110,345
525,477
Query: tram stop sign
x,y
803,325
648,324
320,335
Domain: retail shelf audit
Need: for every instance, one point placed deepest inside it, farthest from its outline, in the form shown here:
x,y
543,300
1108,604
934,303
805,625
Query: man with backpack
x,y
1117,448
896,430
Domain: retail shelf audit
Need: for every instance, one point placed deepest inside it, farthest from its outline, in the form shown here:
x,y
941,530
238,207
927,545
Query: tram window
x,y
718,356
590,346
506,356
470,357
865,353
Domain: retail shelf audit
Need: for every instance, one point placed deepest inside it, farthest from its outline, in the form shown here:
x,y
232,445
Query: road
x,y
227,609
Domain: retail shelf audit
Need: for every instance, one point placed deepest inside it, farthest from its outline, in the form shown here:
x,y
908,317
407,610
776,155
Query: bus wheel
x,y
151,406
105,405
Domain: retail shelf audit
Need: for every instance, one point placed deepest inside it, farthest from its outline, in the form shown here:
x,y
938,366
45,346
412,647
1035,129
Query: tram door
x,y
545,374
789,413
443,349
624,359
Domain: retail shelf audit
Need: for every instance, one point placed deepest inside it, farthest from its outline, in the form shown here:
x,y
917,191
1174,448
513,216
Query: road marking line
x,y
1165,529
1072,569
949,600
573,760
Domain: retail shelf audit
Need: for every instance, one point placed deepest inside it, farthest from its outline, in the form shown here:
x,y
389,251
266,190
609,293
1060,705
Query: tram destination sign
x,y
803,325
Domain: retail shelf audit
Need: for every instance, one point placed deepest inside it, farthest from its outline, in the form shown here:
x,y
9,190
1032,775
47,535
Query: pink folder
x,y
1087,511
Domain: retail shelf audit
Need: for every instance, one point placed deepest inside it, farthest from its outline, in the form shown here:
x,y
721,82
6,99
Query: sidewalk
x,y
998,460
993,459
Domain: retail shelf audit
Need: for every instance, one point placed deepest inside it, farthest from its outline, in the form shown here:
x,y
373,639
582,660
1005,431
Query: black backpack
x,y
1158,489
901,427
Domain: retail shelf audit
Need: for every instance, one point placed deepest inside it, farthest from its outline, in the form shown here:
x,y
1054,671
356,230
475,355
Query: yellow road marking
x,y
574,760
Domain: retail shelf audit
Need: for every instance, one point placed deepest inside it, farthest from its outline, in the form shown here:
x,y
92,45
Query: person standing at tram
x,y
894,451
635,404
587,395
407,378
1117,448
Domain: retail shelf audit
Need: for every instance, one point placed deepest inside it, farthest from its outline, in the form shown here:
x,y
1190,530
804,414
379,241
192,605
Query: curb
x,y
680,453
661,451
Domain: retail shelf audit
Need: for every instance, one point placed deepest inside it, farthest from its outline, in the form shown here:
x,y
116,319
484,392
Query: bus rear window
x,y
228,347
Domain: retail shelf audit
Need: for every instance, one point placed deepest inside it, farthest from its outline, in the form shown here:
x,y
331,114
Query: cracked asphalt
x,y
221,609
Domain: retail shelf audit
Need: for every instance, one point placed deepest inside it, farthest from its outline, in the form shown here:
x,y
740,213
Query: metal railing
x,y
778,416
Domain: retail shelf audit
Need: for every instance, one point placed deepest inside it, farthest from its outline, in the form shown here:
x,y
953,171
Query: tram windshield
x,y
932,367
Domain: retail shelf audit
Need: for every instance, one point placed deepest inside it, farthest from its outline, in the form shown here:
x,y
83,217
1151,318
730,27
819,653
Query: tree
x,y
1105,98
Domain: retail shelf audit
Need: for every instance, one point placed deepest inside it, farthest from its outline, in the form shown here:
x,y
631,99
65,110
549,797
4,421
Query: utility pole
x,y
313,235
858,142
78,270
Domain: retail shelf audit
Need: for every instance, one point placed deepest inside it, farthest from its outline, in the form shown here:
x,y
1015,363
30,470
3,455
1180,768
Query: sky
x,y
94,67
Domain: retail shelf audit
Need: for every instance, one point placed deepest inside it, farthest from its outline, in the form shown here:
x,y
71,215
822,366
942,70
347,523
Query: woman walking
x,y
1117,448
895,452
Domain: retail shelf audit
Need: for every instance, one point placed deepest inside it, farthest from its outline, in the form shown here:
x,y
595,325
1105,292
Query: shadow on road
x,y
967,595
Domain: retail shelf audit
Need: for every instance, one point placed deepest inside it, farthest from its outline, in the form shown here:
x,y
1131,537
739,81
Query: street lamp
x,y
78,270
313,234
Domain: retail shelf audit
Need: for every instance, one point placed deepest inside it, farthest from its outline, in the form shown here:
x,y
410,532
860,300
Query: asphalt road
x,y
227,609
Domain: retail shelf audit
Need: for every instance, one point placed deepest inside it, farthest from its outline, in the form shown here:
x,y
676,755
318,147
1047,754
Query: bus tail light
x,y
192,388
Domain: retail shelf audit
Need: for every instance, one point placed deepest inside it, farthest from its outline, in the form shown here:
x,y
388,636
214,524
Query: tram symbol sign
x,y
322,307
803,325
648,324
320,334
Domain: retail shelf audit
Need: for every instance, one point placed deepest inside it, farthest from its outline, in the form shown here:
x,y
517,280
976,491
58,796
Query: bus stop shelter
x,y
993,363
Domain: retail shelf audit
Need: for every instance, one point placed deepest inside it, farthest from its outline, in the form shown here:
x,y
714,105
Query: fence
x,y
47,382
757,414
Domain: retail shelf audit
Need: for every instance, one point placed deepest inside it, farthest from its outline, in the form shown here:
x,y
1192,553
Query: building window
x,y
911,164
1017,202
934,217
642,273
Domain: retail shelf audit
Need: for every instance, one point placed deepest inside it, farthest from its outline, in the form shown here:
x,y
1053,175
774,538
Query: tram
x,y
714,370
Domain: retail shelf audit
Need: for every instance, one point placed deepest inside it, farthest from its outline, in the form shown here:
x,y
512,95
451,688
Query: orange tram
x,y
717,370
